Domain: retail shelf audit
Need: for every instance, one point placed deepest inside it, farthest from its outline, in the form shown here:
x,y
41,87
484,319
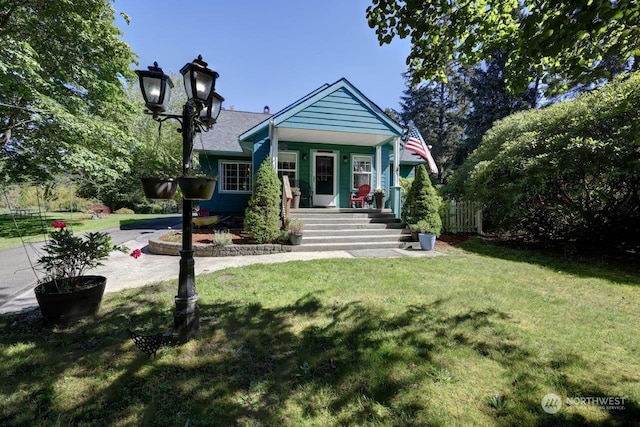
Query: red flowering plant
x,y
67,257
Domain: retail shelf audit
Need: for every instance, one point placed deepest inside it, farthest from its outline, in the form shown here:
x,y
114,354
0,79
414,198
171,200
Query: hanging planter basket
x,y
197,187
159,188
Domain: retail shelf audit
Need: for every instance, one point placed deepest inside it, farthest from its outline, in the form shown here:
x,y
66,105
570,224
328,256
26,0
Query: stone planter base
x,y
158,247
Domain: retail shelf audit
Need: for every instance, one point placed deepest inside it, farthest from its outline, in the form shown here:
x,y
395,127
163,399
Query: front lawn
x,y
477,337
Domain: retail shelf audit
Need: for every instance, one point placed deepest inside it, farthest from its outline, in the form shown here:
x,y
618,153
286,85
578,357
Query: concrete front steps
x,y
331,229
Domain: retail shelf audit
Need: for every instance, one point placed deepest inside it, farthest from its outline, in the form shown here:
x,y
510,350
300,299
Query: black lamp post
x,y
199,113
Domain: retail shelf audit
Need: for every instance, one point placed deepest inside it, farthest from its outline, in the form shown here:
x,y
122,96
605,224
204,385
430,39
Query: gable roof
x,y
338,111
223,136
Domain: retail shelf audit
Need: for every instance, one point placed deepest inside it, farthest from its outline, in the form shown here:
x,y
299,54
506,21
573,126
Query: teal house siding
x,y
339,111
261,151
222,202
322,134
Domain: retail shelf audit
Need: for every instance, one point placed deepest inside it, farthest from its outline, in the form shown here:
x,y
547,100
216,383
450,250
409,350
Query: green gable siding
x,y
338,111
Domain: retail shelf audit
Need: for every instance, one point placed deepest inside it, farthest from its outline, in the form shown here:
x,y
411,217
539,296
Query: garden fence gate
x,y
463,217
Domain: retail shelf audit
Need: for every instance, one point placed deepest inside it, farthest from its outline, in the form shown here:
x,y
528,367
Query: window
x,y
236,177
361,170
288,165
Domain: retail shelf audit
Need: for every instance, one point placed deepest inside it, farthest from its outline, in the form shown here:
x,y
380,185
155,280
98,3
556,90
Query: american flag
x,y
413,142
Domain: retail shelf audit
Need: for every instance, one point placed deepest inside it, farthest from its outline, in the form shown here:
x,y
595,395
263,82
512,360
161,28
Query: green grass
x,y
477,337
13,231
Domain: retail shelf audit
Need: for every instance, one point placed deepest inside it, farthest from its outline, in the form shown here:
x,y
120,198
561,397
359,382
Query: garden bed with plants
x,y
207,243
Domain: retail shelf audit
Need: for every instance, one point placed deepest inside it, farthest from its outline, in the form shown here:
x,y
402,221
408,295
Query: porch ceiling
x,y
331,137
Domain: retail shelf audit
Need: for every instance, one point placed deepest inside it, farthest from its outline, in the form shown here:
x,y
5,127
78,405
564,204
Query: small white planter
x,y
427,241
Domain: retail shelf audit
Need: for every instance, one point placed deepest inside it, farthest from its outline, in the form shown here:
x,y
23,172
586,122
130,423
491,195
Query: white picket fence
x,y
463,217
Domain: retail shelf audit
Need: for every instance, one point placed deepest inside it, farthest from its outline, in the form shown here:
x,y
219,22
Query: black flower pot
x,y
64,307
159,188
197,187
380,199
295,239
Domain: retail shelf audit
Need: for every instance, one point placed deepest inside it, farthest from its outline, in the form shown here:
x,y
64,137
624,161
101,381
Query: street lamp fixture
x,y
199,114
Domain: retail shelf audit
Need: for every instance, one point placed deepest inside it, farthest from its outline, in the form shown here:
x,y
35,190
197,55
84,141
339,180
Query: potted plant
x,y
379,196
427,234
67,293
159,188
421,208
197,186
295,228
159,170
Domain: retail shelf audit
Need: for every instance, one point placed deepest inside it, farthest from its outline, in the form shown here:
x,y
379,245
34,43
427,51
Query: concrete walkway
x,y
123,271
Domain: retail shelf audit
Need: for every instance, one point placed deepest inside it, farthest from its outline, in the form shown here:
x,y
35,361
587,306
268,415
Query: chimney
x,y
266,109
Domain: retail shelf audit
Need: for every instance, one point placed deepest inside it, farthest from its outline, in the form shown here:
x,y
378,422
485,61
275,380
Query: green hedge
x,y
568,171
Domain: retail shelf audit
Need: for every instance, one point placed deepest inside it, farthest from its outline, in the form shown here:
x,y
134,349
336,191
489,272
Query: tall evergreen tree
x,y
491,101
439,110
262,215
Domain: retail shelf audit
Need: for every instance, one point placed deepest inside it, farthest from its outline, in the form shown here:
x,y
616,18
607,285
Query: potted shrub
x,y
427,234
422,208
295,228
67,293
379,197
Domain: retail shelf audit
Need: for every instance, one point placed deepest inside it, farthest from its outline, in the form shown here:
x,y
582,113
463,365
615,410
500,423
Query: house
x,y
328,143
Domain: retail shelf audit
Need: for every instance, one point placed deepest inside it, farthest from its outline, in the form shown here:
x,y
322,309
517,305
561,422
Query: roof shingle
x,y
223,136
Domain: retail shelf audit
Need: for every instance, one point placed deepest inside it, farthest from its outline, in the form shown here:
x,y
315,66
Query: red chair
x,y
361,197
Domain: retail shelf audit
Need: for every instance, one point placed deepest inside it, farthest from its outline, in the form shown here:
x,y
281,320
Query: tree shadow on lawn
x,y
29,226
583,264
256,365
160,223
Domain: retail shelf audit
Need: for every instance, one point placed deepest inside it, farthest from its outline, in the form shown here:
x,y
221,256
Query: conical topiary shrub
x,y
422,204
262,215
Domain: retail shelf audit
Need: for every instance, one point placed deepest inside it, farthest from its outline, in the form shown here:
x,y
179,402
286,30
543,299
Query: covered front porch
x,y
329,144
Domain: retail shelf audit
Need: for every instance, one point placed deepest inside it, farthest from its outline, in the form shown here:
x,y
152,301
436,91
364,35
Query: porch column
x,y
378,167
273,149
395,195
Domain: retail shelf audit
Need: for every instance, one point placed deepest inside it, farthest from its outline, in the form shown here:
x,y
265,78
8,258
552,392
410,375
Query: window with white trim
x,y
288,165
362,170
236,177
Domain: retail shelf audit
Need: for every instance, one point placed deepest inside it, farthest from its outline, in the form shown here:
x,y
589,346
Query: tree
x,y
438,109
568,171
262,215
562,38
422,204
62,101
156,151
490,101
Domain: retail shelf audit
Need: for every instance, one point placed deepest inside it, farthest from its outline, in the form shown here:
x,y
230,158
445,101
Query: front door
x,y
324,179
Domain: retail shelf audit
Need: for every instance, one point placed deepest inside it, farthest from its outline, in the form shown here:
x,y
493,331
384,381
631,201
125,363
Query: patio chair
x,y
306,195
361,197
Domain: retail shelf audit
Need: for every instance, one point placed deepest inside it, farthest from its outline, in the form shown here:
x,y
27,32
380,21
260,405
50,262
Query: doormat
x,y
373,253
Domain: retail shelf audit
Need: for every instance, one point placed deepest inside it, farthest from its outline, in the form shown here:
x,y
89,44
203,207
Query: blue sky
x,y
268,52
